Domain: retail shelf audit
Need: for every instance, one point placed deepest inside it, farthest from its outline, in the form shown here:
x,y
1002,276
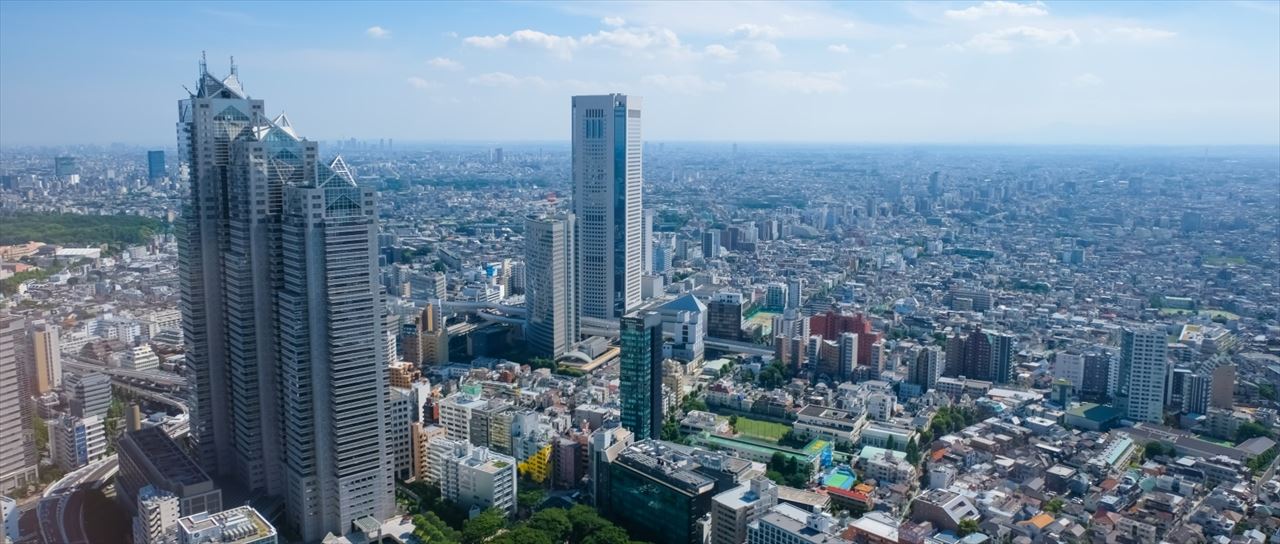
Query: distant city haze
x,y
996,72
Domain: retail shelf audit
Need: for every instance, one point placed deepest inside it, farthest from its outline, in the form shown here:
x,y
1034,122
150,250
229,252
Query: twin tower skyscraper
x,y
282,315
283,312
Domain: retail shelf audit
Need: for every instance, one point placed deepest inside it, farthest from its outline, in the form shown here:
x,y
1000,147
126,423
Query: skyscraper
x,y
550,287
155,165
925,368
337,464
1140,394
18,463
214,116
640,381
282,314
607,193
46,357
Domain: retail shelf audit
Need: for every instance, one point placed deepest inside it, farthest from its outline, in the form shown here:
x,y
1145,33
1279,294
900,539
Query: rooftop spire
x,y
233,65
204,64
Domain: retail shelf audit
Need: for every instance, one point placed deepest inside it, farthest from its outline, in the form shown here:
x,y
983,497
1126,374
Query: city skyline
x,y
987,72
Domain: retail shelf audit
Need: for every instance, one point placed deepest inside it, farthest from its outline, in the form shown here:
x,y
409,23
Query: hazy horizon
x,y
948,73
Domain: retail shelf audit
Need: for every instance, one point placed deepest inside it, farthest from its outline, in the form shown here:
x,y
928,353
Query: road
x,y
61,509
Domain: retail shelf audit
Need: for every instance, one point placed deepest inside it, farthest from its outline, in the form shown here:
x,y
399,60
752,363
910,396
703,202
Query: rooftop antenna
x,y
204,64
233,65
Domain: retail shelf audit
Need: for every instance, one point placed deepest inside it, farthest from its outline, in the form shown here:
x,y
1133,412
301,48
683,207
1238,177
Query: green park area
x,y
763,430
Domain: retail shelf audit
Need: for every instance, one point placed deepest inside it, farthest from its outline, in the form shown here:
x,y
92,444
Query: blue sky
x,y
927,72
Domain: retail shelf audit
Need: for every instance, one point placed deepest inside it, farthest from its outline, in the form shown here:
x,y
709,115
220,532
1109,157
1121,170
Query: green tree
x,y
967,527
913,452
552,521
611,534
891,444
585,521
528,498
733,423
483,526
1053,506
671,430
1251,429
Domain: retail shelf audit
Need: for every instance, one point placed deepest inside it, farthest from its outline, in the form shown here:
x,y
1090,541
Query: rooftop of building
x,y
241,524
674,468
167,457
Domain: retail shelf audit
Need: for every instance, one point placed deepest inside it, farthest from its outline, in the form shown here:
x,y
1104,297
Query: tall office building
x,y
724,315
18,462
711,247
337,464
88,394
155,165
775,296
607,200
46,357
214,116
795,292
640,381
282,314
550,287
1140,394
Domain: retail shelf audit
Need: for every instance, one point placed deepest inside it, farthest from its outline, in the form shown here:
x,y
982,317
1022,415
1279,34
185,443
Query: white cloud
x,y
838,48
420,83
997,8
503,79
720,52
800,82
682,84
755,32
613,21
1008,39
762,49
925,83
1086,80
444,63
1141,34
378,32
645,40
898,47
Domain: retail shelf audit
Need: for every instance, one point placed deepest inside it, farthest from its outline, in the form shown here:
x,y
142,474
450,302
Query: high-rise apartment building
x,y
1140,394
1001,357
775,296
18,462
640,382
46,357
607,200
1097,382
551,292
711,247
925,368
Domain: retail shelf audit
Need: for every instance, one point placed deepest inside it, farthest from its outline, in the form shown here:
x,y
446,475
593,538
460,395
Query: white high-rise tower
x,y
1142,374
607,193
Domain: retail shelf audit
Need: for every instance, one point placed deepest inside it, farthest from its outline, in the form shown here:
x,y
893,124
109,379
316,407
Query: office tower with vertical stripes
x,y
551,292
607,193
333,374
